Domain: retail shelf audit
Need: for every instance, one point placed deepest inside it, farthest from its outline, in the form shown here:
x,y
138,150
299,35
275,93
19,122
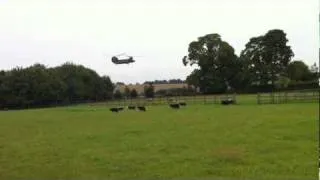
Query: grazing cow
x,y
227,102
175,106
114,109
132,107
182,104
141,108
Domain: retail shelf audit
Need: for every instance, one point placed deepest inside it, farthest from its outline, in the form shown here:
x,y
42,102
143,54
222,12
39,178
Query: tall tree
x,y
117,94
149,91
194,78
314,68
299,71
267,56
127,92
216,60
315,72
133,93
108,87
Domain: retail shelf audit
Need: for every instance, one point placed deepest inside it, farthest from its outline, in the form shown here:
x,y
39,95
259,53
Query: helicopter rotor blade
x,y
121,54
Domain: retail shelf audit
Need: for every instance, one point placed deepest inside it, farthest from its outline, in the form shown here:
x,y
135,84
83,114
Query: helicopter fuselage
x,y
115,60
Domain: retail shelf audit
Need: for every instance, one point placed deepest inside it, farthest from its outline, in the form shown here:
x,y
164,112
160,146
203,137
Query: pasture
x,y
245,141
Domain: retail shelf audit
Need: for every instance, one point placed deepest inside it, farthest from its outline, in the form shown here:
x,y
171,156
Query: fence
x,y
300,96
260,98
199,99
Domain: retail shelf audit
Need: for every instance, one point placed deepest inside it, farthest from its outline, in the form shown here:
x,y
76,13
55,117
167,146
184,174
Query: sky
x,y
155,32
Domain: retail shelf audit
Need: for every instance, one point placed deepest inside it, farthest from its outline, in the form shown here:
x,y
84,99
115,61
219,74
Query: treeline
x,y
264,65
148,92
38,86
184,91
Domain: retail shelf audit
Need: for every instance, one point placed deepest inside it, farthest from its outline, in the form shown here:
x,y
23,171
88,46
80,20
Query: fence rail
x,y
288,97
300,96
202,99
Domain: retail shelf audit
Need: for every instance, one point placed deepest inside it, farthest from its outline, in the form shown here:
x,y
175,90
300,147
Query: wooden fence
x,y
199,99
300,96
288,97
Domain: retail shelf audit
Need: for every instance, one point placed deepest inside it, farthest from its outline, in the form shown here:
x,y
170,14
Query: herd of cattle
x,y
143,108
172,105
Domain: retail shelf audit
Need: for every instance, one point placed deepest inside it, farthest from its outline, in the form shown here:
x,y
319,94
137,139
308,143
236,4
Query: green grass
x,y
200,141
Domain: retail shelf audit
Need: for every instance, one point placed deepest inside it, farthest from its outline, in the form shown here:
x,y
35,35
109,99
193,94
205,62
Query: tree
x,y
194,78
315,74
117,94
299,71
314,68
149,91
133,93
282,82
217,63
38,85
267,56
127,92
108,87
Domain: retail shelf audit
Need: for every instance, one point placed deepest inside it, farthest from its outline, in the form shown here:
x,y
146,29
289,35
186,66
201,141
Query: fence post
x,y
272,97
305,97
286,97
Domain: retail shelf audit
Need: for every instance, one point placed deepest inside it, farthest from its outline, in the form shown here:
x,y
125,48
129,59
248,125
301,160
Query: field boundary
x,y
197,99
298,96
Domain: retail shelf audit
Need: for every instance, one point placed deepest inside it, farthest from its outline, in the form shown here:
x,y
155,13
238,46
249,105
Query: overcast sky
x,y
89,32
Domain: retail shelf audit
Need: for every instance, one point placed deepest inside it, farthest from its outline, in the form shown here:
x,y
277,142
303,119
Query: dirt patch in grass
x,y
229,154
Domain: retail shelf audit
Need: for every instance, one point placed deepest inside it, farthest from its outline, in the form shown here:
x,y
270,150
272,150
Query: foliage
x,y
218,64
37,86
117,94
133,93
299,71
267,56
149,91
194,78
185,91
314,68
315,74
282,82
264,62
127,92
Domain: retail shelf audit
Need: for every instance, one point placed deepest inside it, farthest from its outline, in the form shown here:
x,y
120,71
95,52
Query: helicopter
x,y
127,60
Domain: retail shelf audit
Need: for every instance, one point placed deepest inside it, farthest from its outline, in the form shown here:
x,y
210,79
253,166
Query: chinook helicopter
x,y
127,60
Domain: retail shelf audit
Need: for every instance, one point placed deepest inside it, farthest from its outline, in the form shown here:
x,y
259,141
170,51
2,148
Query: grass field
x,y
201,141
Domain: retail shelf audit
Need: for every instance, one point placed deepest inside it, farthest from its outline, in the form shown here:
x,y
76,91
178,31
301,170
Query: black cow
x,y
175,106
132,107
114,109
141,108
227,102
120,108
182,104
